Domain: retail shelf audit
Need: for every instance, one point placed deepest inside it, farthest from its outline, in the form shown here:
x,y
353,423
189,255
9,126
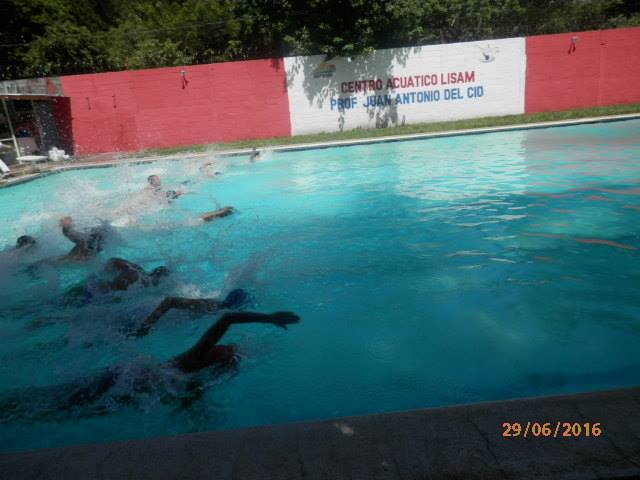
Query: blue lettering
x,y
452,94
428,96
475,92
344,103
377,101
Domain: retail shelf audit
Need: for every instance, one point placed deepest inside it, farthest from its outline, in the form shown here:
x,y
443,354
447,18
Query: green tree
x,y
53,35
162,33
49,37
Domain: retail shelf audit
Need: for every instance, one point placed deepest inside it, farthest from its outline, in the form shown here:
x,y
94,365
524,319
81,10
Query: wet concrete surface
x,y
463,442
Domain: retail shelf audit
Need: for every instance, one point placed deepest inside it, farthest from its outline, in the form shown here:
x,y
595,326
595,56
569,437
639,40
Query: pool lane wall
x,y
166,107
582,70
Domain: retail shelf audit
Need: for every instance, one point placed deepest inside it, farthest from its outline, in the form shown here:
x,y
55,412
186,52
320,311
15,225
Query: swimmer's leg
x,y
92,391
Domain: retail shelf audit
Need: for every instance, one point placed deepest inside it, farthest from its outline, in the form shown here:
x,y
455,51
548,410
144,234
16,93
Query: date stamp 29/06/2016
x,y
557,429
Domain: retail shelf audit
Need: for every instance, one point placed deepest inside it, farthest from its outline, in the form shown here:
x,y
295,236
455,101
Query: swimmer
x,y
155,186
235,299
127,274
255,155
87,244
207,352
204,169
115,386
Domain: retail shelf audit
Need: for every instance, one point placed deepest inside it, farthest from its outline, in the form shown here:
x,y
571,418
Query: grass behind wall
x,y
405,129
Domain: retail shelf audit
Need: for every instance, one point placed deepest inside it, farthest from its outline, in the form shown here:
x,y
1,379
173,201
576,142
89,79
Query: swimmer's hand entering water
x,y
282,319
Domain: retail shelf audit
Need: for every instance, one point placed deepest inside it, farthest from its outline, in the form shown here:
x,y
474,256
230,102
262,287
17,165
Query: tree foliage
x,y
52,37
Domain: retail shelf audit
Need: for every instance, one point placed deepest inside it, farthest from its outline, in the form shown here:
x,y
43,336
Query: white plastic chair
x,y
4,170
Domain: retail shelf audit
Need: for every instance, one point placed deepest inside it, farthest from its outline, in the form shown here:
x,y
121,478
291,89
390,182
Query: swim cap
x,y
25,241
236,298
158,273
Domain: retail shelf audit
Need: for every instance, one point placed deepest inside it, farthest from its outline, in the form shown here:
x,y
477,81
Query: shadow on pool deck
x,y
463,442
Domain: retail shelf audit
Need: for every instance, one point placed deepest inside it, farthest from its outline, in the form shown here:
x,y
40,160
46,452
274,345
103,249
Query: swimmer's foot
x,y
221,212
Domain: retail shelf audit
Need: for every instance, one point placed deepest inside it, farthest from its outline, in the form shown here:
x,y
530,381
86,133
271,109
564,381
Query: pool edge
x,y
127,160
463,441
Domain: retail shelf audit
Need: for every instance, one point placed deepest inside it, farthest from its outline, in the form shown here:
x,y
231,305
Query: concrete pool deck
x,y
462,442
26,173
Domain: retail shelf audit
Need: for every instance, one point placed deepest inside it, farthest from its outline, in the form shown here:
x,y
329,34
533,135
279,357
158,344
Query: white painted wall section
x,y
406,85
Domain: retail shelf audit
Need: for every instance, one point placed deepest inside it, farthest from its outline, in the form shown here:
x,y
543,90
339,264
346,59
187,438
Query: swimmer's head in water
x,y
65,221
154,180
237,298
25,241
222,356
158,274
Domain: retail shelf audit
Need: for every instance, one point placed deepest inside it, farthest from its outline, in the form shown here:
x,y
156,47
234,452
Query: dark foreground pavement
x,y
464,442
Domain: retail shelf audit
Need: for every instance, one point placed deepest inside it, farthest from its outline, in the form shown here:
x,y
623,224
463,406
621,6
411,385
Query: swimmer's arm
x,y
279,319
193,304
213,335
221,212
72,234
218,329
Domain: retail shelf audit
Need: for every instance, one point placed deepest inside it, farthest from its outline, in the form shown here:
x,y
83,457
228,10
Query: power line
x,y
163,29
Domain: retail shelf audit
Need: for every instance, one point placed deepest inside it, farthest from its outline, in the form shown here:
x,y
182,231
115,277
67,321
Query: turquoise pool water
x,y
426,273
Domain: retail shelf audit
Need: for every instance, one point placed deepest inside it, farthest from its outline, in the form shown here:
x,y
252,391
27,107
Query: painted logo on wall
x,y
402,86
324,70
488,53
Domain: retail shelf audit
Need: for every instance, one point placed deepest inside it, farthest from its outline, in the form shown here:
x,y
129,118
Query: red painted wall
x,y
603,69
132,110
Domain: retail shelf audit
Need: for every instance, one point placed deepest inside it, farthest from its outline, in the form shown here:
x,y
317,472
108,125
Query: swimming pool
x,y
426,273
